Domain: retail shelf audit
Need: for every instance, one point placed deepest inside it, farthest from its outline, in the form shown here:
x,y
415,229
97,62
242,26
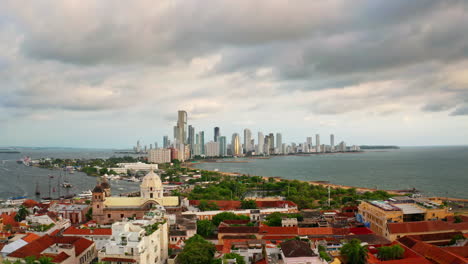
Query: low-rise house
x,y
60,249
76,213
137,241
18,242
184,227
409,256
100,236
296,252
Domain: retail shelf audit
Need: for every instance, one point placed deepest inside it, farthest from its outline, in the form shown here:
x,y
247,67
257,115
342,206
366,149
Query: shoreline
x,y
316,183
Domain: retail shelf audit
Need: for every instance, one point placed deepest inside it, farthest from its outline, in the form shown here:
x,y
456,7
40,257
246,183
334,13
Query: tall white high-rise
x,y
279,143
332,142
261,140
247,140
317,142
181,128
212,149
309,143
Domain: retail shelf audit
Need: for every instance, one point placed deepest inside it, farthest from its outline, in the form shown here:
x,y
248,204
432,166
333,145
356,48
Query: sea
x,y
435,171
438,171
20,180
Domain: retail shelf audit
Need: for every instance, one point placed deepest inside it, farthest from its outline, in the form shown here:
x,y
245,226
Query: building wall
x,y
378,218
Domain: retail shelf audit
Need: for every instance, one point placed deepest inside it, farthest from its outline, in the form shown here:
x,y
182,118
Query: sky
x,y
106,73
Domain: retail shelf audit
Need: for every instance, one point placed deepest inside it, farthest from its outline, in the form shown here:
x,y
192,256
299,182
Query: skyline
x,y
105,74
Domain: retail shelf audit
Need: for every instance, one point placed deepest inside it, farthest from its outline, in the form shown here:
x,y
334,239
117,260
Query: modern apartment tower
x,y
202,142
216,134
247,140
222,146
317,143
261,140
236,147
279,143
271,143
165,142
332,142
181,128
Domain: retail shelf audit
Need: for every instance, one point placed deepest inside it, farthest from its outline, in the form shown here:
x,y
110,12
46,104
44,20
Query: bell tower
x,y
99,196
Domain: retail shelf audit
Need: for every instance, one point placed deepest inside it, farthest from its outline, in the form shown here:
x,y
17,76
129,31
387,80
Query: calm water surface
x,y
441,171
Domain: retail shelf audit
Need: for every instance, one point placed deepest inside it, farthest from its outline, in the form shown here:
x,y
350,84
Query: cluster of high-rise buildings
x,y
187,144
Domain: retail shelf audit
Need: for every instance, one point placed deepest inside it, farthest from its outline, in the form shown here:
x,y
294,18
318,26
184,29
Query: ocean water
x,y
440,171
20,180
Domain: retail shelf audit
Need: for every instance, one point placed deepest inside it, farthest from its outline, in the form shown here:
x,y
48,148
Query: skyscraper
x,y
317,142
202,142
222,146
236,147
261,140
332,142
216,134
181,127
271,145
247,140
309,143
191,137
279,143
165,142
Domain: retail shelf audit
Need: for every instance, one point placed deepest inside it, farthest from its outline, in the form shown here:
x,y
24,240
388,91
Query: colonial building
x,y
108,209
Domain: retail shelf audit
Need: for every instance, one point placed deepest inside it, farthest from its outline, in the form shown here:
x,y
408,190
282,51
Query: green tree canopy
x,y
390,252
197,251
207,206
217,219
205,228
21,214
354,252
248,204
239,258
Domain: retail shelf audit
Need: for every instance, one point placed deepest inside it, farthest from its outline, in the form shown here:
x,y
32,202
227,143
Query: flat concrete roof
x,y
410,209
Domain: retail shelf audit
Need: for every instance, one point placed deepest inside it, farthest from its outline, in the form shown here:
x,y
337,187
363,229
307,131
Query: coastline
x,y
322,183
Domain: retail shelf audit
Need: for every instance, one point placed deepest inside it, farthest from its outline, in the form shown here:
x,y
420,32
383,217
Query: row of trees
x,y
197,250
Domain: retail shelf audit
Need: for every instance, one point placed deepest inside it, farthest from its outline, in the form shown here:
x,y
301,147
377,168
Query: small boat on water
x,y
66,184
85,194
15,200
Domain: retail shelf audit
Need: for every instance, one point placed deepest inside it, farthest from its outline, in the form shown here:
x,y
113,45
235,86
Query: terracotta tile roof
x,y
425,226
57,258
432,253
118,260
238,229
30,203
36,247
262,261
236,222
9,219
460,251
30,237
283,237
315,231
295,249
88,232
278,230
275,204
436,236
360,230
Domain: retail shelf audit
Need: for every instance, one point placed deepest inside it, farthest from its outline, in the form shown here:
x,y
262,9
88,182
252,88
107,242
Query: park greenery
x,y
197,250
30,260
221,217
354,252
323,253
390,252
21,214
205,228
239,259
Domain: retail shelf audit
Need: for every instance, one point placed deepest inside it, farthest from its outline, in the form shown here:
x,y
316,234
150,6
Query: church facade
x,y
108,209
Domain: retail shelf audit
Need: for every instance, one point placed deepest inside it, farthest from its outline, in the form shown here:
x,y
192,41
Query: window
x,y
121,215
108,215
151,189
97,206
151,195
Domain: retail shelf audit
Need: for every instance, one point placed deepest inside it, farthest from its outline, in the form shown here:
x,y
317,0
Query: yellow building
x,y
379,213
109,209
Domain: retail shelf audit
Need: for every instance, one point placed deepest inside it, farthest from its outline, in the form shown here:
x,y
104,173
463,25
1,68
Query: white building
x,y
136,166
317,143
279,143
141,241
261,140
247,140
212,149
159,155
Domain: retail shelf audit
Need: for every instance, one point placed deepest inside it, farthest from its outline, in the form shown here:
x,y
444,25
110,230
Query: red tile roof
x,y
88,232
36,247
315,231
30,203
460,251
432,253
278,230
360,231
119,260
30,237
238,229
425,226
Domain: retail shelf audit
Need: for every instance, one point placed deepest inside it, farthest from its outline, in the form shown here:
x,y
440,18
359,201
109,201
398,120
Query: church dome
x,y
151,180
98,189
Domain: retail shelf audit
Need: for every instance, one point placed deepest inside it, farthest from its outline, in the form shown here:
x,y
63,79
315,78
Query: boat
x,y
66,184
37,192
85,194
16,200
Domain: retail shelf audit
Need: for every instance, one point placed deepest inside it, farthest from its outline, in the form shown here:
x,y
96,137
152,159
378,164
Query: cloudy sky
x,y
106,73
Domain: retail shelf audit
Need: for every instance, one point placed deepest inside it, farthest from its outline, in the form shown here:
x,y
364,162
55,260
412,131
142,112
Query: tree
x,y
217,219
207,206
239,258
248,204
205,228
354,252
455,238
458,219
197,251
390,252
274,219
21,214
89,214
44,260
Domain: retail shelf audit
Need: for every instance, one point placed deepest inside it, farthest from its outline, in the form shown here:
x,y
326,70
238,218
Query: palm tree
x,y
354,252
44,260
21,214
